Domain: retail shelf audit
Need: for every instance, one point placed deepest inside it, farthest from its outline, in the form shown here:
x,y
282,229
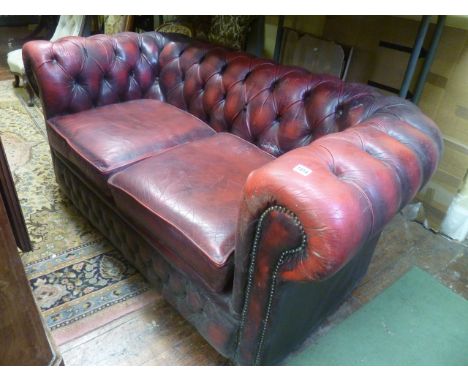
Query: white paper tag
x,y
303,170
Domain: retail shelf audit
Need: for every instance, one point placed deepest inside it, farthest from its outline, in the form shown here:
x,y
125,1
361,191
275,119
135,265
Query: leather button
x,y
223,69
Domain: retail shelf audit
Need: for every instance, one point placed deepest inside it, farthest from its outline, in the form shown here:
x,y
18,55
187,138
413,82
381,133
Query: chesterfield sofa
x,y
252,194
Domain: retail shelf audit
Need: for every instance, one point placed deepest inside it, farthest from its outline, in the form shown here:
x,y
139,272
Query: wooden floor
x,y
158,335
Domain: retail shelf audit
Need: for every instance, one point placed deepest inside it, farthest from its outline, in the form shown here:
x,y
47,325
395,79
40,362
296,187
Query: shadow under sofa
x,y
252,194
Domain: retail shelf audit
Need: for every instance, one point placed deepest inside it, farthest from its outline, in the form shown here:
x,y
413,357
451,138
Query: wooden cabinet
x,y
24,339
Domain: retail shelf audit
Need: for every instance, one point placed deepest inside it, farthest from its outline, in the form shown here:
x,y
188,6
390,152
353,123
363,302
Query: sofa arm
x,y
340,190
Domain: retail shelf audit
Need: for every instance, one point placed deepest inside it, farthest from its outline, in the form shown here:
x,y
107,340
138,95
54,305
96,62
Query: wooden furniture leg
x,y
16,81
30,91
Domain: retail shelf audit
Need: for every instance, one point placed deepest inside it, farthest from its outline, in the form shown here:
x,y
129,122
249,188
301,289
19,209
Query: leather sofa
x,y
252,194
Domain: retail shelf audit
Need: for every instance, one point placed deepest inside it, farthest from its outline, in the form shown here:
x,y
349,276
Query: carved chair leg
x,y
30,91
16,81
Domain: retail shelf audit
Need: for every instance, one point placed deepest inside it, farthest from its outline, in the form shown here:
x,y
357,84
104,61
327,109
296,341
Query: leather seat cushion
x,y
105,139
187,199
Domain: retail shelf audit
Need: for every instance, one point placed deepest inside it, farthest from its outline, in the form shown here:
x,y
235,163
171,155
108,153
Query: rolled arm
x,y
341,190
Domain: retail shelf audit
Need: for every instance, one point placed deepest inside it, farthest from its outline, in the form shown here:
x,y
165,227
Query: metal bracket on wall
x,y
279,38
415,54
429,59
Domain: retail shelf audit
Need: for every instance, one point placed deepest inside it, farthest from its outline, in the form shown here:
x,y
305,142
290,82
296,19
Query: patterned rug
x,y
78,279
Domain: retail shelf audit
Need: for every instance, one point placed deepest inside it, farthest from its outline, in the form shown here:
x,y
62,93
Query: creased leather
x,y
207,311
109,138
188,199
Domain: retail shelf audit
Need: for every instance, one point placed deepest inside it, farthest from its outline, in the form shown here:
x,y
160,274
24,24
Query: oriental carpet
x,y
79,281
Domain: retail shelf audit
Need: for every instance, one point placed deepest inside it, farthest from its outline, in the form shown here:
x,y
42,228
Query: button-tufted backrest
x,y
276,107
68,26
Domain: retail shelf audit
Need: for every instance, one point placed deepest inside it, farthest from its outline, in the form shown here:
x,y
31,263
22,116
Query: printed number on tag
x,y
303,170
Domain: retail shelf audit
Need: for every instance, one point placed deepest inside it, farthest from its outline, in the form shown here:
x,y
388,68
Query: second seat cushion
x,y
187,200
103,140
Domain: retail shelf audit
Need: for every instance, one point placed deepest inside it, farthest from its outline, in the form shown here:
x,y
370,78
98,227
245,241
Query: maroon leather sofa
x,y
251,193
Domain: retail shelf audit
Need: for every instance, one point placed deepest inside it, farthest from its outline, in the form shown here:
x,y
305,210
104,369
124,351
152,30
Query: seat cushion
x,y
187,200
15,61
106,139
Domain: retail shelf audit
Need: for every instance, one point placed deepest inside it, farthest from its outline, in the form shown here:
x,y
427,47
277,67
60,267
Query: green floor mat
x,y
416,321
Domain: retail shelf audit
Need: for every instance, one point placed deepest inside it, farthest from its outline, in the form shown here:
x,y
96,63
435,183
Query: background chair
x,y
117,23
235,32
67,26
315,54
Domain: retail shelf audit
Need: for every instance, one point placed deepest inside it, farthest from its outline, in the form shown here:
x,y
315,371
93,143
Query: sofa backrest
x,y
276,107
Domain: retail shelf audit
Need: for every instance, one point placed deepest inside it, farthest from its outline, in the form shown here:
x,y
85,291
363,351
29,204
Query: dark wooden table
x,y
24,338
